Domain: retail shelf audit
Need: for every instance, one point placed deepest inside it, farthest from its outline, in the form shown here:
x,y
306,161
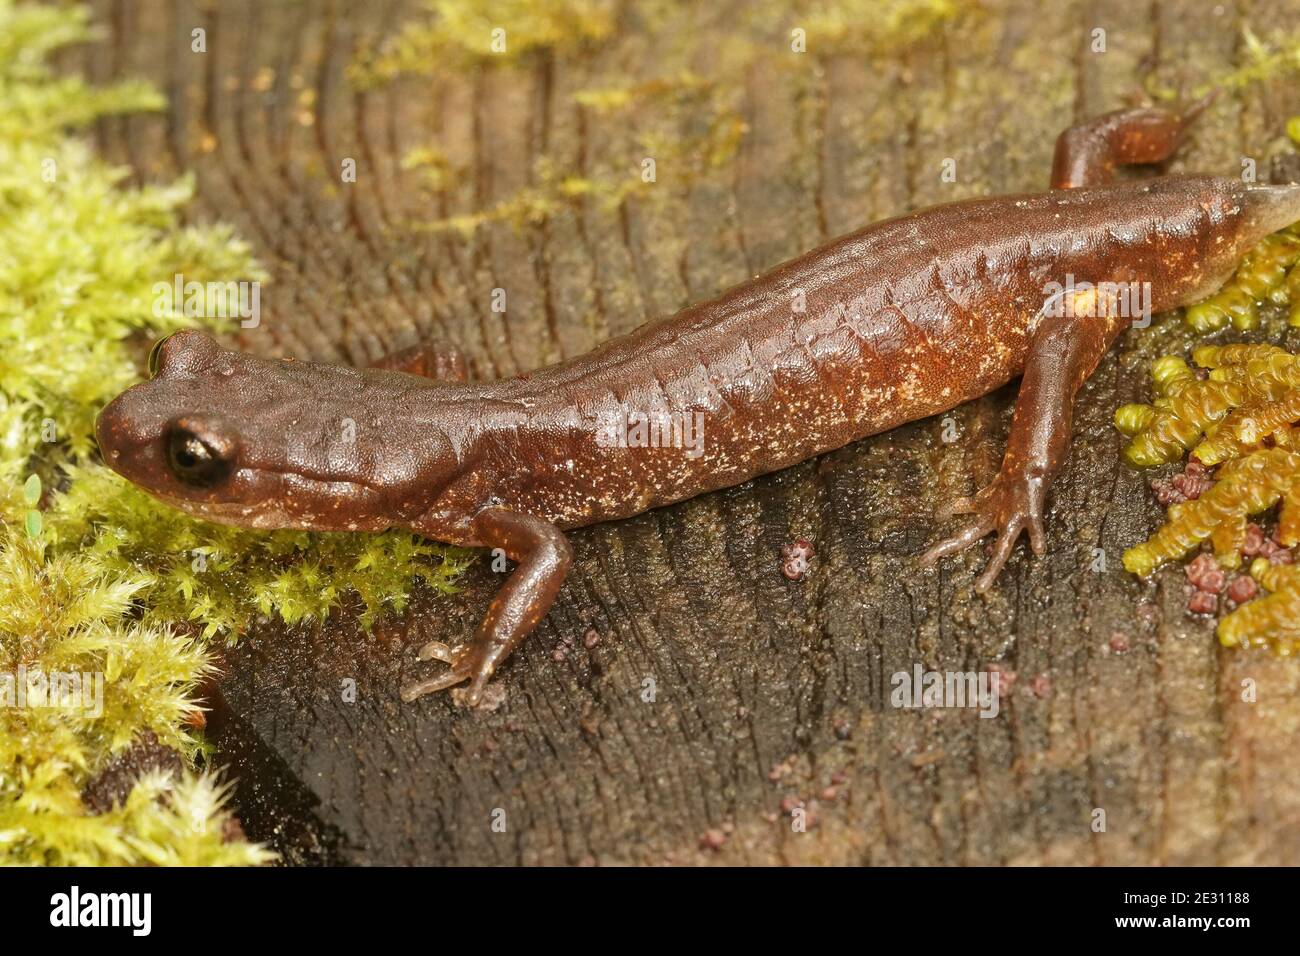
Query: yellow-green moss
x,y
96,578
690,158
873,26
221,577
1263,61
687,119
1271,621
1241,418
606,100
463,32
64,614
1267,274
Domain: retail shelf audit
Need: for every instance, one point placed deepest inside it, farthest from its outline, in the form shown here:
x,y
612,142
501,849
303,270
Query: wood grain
x,y
755,676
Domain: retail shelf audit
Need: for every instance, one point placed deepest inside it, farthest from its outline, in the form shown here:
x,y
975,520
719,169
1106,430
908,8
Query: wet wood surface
x,y
765,691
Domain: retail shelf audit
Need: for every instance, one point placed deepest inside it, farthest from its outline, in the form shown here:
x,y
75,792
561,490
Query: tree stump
x,y
767,694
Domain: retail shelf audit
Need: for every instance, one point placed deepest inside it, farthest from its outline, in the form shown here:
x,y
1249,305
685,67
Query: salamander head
x,y
261,443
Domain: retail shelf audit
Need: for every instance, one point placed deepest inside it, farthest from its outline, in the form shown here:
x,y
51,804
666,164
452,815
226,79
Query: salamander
x,y
900,320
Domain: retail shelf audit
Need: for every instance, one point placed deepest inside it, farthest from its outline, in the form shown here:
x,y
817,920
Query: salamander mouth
x,y
261,515
271,514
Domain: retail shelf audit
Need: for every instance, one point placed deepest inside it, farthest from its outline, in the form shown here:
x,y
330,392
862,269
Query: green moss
x,y
556,189
675,88
97,578
875,26
689,122
66,614
221,577
1263,61
1240,421
461,32
433,165
693,130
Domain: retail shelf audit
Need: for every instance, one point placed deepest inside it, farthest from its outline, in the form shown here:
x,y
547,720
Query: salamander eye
x,y
202,461
155,354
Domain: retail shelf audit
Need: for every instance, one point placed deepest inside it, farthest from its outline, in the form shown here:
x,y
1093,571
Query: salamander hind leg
x,y
544,557
1063,353
1010,504
1088,153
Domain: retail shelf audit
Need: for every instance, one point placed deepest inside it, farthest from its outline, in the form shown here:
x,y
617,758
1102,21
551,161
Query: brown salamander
x,y
895,322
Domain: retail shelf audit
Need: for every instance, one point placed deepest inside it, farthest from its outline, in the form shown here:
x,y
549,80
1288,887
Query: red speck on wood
x,y
713,840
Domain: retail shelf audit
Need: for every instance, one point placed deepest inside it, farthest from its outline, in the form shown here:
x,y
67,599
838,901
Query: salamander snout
x,y
1270,208
177,434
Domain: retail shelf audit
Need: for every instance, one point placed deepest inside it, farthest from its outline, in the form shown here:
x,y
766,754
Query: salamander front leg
x,y
544,556
1063,354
